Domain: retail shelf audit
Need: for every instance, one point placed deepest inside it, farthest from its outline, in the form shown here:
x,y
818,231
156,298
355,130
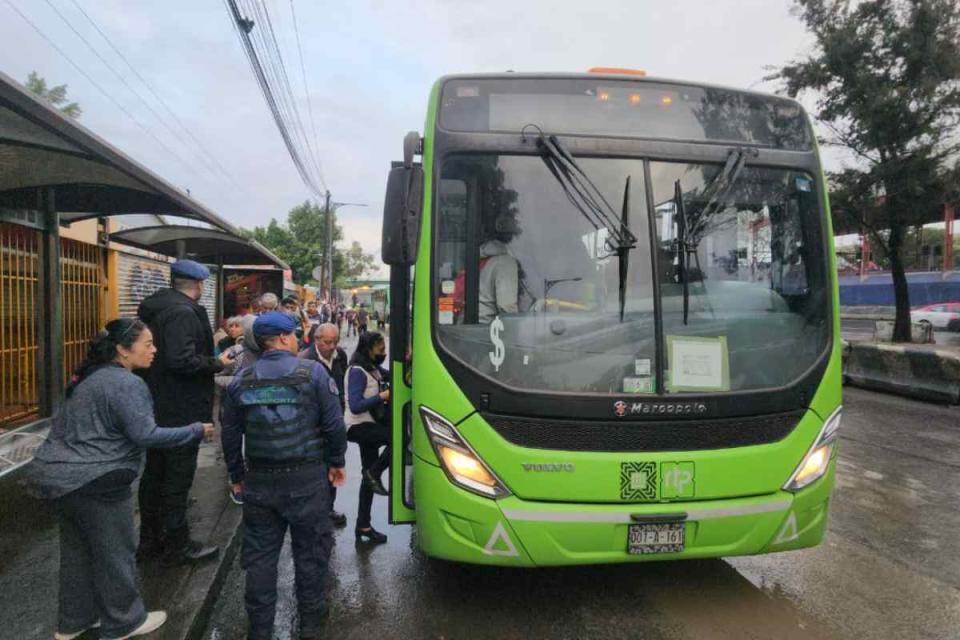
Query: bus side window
x,y
451,248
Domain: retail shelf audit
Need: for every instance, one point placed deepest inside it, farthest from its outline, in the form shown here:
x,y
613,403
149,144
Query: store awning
x,y
200,244
41,149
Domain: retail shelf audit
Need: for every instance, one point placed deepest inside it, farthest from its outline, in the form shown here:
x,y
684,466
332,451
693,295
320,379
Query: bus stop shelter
x,y
54,172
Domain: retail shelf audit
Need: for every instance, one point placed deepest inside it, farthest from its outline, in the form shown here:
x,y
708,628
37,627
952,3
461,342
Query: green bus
x,y
614,329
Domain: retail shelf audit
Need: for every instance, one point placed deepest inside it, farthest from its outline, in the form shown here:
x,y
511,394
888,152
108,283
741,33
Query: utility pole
x,y
328,257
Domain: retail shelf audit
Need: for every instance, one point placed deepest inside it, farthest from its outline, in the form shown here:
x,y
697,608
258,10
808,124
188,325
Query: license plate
x,y
660,537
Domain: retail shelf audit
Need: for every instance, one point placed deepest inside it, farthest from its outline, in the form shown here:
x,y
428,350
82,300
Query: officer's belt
x,y
281,467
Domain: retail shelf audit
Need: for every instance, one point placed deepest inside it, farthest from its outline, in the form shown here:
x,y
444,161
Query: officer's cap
x,y
189,269
273,323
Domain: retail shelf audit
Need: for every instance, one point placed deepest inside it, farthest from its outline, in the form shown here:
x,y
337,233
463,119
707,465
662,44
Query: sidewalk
x,y
29,556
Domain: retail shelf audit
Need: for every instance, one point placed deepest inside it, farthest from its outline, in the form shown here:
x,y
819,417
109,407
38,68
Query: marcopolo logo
x,y
623,409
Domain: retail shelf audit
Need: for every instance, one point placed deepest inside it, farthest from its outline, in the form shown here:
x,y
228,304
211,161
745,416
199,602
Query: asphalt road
x,y
889,567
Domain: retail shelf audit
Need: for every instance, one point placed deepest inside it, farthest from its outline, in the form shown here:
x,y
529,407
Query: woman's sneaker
x,y
71,636
236,496
154,621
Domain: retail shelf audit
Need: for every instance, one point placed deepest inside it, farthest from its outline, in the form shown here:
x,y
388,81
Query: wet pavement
x,y
889,567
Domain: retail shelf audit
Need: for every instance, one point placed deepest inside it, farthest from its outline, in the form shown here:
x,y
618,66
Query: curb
x,y
198,625
923,374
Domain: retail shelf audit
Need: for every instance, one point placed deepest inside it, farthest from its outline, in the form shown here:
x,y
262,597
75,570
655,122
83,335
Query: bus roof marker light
x,y
622,71
666,101
635,98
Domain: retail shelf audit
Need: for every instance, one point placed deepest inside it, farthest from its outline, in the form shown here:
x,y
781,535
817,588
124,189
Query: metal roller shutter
x,y
140,276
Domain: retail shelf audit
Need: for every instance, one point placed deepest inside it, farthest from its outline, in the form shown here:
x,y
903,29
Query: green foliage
x,y
886,76
54,95
301,240
356,263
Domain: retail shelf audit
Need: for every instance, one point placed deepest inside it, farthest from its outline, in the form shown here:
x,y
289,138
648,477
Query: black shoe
x,y
338,519
311,625
374,483
370,534
189,552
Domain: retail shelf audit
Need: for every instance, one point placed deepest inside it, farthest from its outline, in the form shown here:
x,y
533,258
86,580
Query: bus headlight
x,y
459,461
815,463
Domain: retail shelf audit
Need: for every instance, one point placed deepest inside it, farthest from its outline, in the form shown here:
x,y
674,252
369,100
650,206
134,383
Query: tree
x,y
300,242
54,95
356,263
886,75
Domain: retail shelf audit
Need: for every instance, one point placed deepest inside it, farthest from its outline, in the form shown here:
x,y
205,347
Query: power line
x,y
266,62
120,77
303,73
96,85
289,90
158,97
243,27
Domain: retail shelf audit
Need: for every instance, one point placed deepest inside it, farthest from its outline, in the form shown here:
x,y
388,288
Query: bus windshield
x,y
527,287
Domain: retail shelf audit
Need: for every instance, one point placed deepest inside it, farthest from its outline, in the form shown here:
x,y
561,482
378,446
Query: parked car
x,y
942,315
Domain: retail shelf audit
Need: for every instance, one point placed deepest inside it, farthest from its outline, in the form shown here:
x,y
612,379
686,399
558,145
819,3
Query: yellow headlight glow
x,y
465,465
814,466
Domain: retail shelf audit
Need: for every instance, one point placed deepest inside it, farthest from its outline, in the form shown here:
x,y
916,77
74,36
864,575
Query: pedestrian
x,y
181,384
351,317
314,317
282,415
269,302
234,331
367,423
362,319
325,350
87,464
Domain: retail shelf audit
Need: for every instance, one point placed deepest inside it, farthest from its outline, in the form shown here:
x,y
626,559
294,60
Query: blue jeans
x,y
297,500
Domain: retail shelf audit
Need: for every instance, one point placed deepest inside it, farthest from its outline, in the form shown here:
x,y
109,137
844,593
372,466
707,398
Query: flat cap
x,y
274,323
189,269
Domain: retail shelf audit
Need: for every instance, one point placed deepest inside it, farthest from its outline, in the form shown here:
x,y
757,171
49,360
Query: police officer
x,y
283,414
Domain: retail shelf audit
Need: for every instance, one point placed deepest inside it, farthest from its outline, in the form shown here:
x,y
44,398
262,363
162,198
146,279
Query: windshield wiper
x,y
690,232
680,214
623,253
583,194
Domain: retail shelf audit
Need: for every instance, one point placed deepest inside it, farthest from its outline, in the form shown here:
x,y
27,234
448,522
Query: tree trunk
x,y
901,293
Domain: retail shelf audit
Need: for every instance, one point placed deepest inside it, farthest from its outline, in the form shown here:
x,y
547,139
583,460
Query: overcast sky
x,y
369,65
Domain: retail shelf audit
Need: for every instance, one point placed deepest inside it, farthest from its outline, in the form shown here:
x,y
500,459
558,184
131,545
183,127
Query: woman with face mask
x,y
91,457
368,424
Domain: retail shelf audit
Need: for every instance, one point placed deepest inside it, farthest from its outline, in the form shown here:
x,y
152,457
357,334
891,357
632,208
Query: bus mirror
x,y
411,146
401,216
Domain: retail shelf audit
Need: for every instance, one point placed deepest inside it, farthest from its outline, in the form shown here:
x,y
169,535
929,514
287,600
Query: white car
x,y
942,315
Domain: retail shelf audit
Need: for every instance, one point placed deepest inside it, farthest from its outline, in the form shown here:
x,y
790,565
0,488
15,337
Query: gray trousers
x,y
98,567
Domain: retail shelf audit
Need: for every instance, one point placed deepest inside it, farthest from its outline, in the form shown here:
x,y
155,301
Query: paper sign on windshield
x,y
698,364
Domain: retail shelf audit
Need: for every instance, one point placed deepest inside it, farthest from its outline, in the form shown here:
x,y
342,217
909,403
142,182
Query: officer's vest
x,y
278,429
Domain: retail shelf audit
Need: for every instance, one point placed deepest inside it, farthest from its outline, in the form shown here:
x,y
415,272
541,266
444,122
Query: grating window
x,y
80,291
19,264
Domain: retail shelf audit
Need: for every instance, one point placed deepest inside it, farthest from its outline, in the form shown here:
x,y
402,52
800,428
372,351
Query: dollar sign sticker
x,y
498,353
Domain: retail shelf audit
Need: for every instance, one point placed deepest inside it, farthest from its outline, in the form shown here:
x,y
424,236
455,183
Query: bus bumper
x,y
463,527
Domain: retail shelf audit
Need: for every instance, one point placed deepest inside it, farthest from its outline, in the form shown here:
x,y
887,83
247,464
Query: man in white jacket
x,y
499,272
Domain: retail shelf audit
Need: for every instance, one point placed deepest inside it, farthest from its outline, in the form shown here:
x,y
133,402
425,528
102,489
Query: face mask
x,y
379,359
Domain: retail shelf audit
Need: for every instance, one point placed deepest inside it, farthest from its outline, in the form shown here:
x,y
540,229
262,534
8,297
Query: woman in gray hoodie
x,y
93,454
